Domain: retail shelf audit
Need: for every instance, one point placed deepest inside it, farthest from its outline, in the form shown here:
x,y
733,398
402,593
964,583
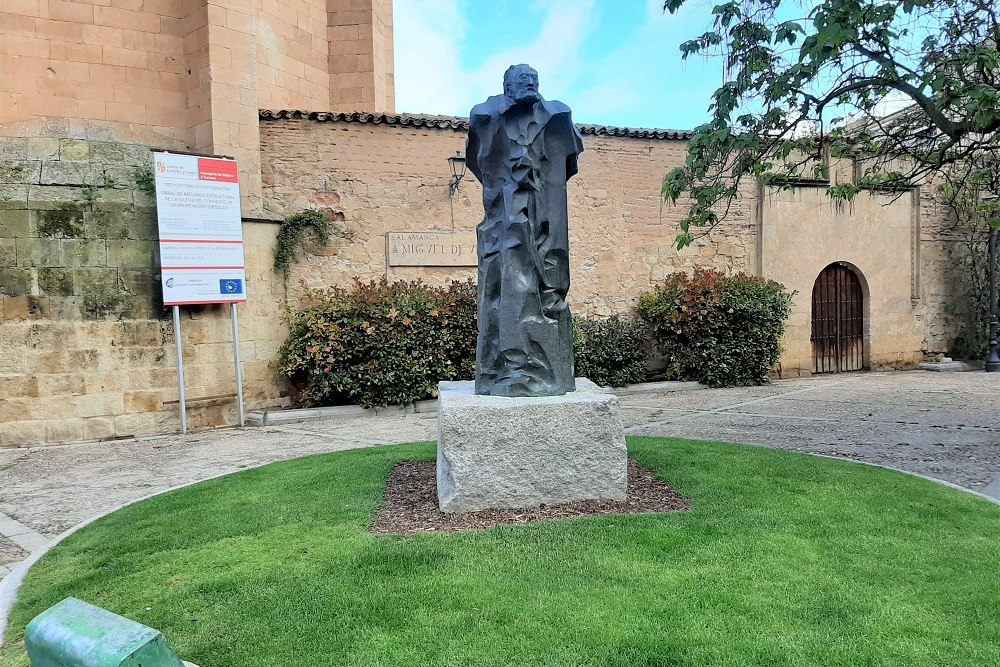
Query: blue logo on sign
x,y
231,286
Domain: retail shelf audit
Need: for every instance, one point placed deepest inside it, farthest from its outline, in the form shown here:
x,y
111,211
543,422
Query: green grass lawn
x,y
786,559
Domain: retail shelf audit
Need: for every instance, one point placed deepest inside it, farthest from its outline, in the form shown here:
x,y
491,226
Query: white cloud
x,y
556,52
427,38
428,41
639,80
644,83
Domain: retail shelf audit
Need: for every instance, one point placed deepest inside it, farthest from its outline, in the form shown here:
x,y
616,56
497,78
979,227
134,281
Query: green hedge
x,y
381,343
611,352
721,330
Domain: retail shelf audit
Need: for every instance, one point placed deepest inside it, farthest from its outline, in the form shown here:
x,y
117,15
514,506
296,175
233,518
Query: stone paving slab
x,y
51,489
10,553
637,415
21,535
807,406
935,446
709,399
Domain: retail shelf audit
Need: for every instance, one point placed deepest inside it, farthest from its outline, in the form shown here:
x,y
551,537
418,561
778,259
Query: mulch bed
x,y
410,504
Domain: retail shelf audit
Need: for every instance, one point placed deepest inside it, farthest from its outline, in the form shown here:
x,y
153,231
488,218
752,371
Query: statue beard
x,y
526,97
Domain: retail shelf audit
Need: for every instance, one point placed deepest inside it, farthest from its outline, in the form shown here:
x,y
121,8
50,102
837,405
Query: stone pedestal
x,y
499,452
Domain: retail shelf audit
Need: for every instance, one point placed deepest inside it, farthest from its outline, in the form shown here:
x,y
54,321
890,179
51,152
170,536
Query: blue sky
x,y
614,62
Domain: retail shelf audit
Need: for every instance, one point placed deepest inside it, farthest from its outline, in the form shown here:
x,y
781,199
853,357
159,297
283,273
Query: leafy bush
x,y
721,330
381,343
971,343
610,352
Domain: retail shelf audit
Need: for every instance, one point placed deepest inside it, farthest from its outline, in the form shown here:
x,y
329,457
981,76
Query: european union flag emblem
x,y
231,286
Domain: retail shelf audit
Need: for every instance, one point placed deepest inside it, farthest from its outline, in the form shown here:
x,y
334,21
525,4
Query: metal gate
x,y
837,321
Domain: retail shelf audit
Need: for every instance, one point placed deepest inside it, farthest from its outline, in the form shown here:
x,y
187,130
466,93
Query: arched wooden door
x,y
837,321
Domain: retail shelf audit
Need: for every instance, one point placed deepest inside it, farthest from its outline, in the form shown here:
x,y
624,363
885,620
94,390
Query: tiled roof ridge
x,y
457,123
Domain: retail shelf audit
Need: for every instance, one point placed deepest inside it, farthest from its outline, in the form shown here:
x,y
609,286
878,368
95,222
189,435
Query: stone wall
x,y
805,231
385,177
945,274
292,53
86,347
361,56
382,178
194,71
96,61
87,351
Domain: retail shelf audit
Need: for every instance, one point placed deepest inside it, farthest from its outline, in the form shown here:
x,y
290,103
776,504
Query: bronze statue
x,y
523,149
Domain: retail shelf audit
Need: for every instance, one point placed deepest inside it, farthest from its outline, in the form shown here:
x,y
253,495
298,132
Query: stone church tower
x,y
192,74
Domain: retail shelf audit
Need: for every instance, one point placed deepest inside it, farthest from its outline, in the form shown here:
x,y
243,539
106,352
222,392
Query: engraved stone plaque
x,y
431,248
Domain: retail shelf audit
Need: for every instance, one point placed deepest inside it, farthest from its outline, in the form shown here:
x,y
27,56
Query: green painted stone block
x,y
76,634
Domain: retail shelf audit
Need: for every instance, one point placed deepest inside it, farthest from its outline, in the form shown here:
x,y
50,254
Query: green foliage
x,y
798,83
381,343
145,181
971,343
297,231
89,195
720,330
786,559
968,190
610,352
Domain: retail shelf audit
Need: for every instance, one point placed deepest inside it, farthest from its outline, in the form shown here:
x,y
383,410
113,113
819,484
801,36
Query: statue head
x,y
520,84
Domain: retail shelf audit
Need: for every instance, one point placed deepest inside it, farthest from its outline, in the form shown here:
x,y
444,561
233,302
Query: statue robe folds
x,y
523,154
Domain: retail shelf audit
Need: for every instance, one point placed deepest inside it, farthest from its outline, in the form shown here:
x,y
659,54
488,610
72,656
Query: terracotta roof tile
x,y
458,123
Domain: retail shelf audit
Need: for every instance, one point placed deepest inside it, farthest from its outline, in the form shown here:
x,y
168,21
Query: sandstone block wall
x,y
804,231
361,56
87,351
86,347
292,53
97,61
194,71
380,178
945,273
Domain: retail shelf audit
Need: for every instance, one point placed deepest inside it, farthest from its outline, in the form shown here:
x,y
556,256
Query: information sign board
x,y
201,230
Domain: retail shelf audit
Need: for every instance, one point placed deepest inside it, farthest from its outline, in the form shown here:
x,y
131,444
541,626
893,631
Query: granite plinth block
x,y
502,452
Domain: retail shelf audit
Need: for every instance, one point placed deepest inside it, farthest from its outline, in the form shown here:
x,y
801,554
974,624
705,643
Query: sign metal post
x,y
239,366
180,369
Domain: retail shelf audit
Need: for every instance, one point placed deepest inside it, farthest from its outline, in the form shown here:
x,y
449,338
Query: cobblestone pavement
x,y
943,425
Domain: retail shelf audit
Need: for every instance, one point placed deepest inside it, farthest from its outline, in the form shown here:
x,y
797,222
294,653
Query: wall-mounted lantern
x,y
457,165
